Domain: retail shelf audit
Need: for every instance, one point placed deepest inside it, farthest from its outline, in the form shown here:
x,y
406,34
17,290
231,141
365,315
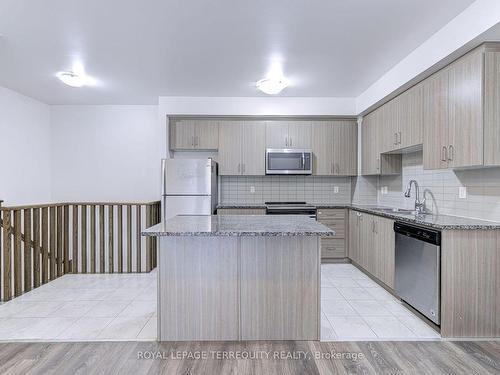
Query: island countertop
x,y
239,225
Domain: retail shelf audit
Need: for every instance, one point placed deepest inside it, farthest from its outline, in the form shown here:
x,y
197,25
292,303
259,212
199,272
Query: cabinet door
x,y
370,148
230,135
385,250
465,146
182,135
368,248
322,141
206,133
276,134
410,117
388,126
345,148
253,148
299,134
435,90
353,238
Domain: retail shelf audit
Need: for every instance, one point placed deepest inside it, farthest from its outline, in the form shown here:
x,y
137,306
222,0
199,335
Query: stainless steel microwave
x,y
288,161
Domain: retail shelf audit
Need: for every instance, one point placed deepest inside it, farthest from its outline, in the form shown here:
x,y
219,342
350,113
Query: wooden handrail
x,y
147,203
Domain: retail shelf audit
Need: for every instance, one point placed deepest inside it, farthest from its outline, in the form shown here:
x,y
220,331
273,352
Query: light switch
x,y
335,190
462,192
252,189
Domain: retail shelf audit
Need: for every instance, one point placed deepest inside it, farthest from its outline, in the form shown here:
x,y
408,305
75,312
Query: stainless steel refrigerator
x,y
189,187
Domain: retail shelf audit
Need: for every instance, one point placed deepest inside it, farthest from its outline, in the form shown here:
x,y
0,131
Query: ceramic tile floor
x,y
123,307
84,308
355,308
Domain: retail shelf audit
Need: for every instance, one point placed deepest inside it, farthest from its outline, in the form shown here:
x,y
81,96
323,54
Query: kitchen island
x,y
239,277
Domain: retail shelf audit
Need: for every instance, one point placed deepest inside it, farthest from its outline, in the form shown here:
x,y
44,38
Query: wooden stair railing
x,y
39,243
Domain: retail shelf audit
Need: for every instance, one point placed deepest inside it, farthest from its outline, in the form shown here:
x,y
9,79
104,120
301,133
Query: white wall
x,y
106,153
462,33
25,151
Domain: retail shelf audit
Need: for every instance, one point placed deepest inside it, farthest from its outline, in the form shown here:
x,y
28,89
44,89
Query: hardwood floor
x,y
481,357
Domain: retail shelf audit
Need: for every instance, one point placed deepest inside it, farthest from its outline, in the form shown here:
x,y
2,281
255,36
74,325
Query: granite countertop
x,y
436,221
441,222
239,225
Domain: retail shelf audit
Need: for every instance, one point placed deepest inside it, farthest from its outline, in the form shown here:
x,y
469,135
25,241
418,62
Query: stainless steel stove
x,y
291,208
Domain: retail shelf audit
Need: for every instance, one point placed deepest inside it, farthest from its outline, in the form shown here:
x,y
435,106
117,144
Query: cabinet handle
x,y
399,137
239,168
286,141
451,150
243,168
291,142
444,153
395,139
338,168
192,141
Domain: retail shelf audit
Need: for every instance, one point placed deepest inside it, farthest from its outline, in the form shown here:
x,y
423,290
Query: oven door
x,y
288,161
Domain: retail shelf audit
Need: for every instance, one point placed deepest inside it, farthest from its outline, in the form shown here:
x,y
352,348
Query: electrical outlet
x,y
462,192
335,190
252,189
384,190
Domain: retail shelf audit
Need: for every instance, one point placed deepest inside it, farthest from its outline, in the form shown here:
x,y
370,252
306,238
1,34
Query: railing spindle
x,y
7,256
45,245
67,267
59,256
84,238
111,250
129,238
102,266
27,250
138,238
92,239
53,244
18,287
74,264
120,238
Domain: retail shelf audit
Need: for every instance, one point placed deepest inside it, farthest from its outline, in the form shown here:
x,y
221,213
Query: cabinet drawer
x,y
241,211
330,213
333,248
337,225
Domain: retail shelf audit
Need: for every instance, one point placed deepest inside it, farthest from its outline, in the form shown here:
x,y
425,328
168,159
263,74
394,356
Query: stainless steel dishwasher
x,y
418,268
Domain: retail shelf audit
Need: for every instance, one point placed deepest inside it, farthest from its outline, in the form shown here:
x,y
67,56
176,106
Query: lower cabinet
x,y
333,248
372,245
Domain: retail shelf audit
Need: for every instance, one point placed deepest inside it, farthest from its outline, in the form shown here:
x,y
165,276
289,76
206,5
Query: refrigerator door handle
x,y
163,177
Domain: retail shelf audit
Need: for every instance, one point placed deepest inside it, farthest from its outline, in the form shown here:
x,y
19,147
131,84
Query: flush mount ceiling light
x,y
75,79
272,86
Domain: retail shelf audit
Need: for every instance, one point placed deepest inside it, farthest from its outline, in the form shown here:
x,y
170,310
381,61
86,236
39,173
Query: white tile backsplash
x,y
259,189
441,189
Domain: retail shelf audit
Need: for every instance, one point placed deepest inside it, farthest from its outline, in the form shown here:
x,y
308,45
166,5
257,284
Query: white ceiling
x,y
141,49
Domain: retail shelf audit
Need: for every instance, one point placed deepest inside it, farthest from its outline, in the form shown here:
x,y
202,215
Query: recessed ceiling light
x,y
272,86
75,79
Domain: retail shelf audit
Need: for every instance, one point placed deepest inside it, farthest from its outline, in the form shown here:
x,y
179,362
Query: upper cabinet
x,y
373,141
288,134
335,147
402,121
194,134
242,148
461,112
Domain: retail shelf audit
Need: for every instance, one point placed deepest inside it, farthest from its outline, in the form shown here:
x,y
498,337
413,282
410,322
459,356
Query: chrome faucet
x,y
419,204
